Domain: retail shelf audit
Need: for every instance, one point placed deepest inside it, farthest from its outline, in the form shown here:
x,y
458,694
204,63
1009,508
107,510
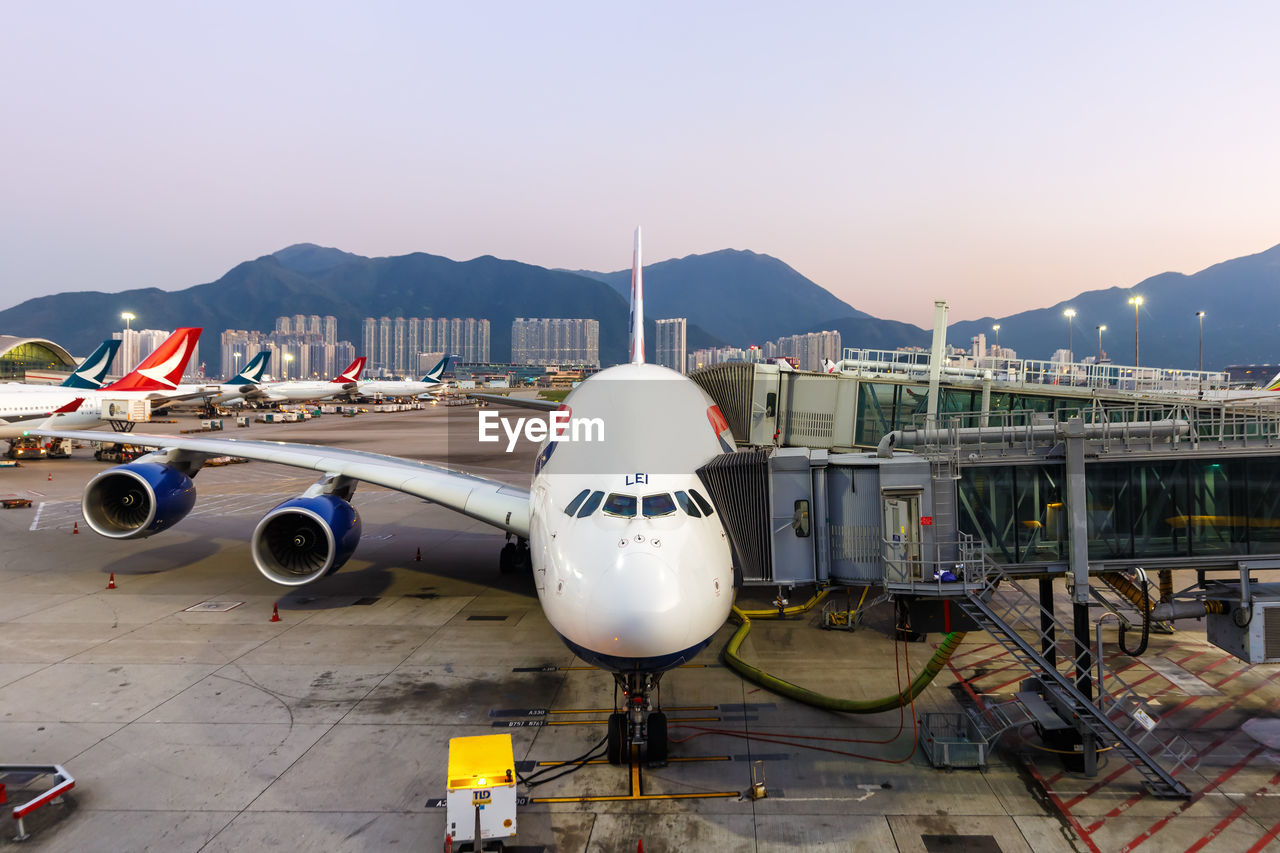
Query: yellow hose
x,y
830,703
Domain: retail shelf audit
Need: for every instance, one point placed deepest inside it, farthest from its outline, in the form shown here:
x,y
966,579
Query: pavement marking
x,y
1189,683
35,522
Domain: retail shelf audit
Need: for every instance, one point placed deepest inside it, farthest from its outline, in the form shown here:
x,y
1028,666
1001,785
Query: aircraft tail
x,y
163,369
352,373
93,369
1274,384
637,305
252,373
828,365
434,374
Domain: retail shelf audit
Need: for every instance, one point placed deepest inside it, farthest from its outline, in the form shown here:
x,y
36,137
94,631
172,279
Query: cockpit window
x,y
576,502
655,506
591,504
703,503
688,505
623,506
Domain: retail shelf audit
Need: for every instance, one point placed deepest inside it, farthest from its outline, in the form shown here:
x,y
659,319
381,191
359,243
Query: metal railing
x,y
1039,373
911,566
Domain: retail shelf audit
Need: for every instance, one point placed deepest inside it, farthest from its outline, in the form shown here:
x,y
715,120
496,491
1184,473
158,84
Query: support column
x,y
1048,635
1078,556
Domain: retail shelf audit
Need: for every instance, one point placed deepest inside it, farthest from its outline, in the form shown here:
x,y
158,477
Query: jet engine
x,y
305,539
137,500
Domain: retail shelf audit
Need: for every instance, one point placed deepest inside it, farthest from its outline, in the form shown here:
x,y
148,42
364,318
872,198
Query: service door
x,y
901,536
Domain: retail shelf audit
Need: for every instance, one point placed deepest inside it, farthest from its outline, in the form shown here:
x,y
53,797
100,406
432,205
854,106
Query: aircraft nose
x,y
636,608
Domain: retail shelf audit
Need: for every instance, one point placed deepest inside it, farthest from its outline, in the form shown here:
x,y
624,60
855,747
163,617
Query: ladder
x,y
1119,717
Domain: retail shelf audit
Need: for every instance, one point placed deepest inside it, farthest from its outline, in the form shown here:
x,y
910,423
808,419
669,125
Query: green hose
x,y
817,700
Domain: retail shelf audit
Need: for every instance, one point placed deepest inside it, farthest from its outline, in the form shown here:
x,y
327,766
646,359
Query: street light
x,y
1100,329
1200,316
1070,314
1136,302
288,357
236,356
126,316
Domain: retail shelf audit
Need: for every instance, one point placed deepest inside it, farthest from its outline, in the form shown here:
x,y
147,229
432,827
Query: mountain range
x,y
730,297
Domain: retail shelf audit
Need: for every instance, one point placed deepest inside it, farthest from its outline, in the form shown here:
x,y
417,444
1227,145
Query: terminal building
x,y
33,360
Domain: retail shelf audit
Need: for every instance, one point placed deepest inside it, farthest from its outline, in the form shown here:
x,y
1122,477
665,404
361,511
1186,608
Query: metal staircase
x,y
1013,616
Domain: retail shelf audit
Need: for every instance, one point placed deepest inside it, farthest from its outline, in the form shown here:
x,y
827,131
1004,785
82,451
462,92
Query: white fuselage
x,y
399,388
87,416
626,591
300,392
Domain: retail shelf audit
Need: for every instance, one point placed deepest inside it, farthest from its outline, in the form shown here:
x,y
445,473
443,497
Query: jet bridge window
x,y
591,504
655,506
687,504
622,506
703,503
576,502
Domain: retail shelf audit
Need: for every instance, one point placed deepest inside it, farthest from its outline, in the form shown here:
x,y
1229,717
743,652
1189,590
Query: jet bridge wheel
x,y
617,742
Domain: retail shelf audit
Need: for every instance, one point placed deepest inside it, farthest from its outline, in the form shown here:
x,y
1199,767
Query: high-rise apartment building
x,y
555,340
670,350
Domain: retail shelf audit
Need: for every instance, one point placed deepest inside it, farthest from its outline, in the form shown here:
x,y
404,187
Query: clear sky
x,y
1000,155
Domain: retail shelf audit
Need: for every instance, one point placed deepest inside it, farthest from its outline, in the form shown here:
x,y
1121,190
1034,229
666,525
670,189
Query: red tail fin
x,y
352,373
163,369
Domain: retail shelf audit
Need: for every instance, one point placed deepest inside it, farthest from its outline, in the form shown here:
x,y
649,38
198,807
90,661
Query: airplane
x,y
629,558
345,384
428,386
245,383
90,372
155,379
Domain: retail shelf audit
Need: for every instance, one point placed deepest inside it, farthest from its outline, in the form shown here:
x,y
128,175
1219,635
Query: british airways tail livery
x,y
93,369
163,369
629,558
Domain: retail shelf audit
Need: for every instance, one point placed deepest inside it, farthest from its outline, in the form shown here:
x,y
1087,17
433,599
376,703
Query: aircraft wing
x,y
535,403
493,502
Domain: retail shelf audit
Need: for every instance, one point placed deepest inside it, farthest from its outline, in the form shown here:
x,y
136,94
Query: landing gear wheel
x,y
657,756
507,558
617,738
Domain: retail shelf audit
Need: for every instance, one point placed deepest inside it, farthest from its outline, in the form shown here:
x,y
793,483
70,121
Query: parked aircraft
x,y
428,386
156,379
245,383
346,385
629,558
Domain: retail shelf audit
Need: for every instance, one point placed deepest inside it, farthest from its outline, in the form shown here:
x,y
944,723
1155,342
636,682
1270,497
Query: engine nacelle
x,y
304,539
137,500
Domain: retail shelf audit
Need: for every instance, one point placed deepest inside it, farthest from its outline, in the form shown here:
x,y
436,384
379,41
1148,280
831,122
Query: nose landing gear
x,y
640,724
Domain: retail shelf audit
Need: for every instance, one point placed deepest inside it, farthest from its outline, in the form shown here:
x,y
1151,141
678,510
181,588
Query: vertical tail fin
x,y
92,370
352,373
1274,384
637,305
433,375
252,373
163,369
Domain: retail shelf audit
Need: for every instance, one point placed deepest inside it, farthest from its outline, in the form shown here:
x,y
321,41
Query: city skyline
x,y
1126,144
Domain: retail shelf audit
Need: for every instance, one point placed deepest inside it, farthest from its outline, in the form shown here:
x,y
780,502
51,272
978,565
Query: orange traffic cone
x,y
75,527
50,476
275,612
111,581
418,557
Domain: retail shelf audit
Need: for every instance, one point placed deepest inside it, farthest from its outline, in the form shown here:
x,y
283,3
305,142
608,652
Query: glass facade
x,y
886,406
31,355
1135,510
